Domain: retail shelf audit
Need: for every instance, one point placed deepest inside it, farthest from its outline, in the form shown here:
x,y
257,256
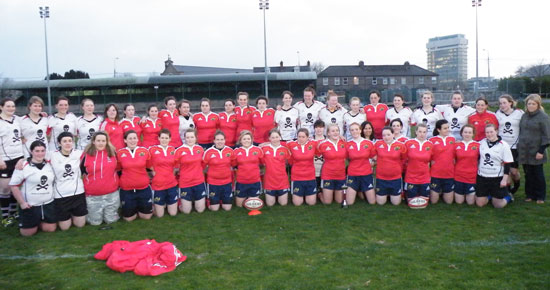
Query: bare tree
x,y
317,67
537,71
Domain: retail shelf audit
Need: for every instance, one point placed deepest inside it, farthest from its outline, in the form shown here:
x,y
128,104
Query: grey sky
x,y
88,35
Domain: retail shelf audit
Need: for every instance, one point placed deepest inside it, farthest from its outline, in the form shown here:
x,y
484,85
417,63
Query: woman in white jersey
x,y
426,113
87,124
34,127
354,115
62,121
456,114
287,118
401,112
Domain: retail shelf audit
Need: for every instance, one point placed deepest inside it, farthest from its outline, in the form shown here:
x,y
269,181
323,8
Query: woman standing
x,y
354,115
151,127
34,127
302,171
131,121
390,155
62,121
481,118
466,165
275,159
206,123
419,155
333,173
376,113
247,161
427,113
218,161
164,183
87,124
35,197
308,109
112,127
170,120
456,113
244,113
98,166
403,113
228,123
333,113
263,120
186,118
494,167
191,182
359,151
534,138
509,117
287,118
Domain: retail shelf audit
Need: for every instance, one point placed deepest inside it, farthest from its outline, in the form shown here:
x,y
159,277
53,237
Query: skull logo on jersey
x,y
454,124
90,133
191,126
16,137
487,160
68,171
40,135
65,128
309,118
42,185
288,124
333,120
508,128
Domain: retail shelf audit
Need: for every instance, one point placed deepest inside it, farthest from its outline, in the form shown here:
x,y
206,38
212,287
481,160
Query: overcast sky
x,y
89,35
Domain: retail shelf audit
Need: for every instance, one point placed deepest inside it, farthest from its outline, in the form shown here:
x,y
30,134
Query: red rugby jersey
x,y
133,165
189,160
262,122
206,126
302,160
419,155
377,116
247,161
480,121
133,124
334,155
467,158
150,131
390,159
114,130
358,154
443,157
170,120
162,161
228,125
244,118
219,164
275,159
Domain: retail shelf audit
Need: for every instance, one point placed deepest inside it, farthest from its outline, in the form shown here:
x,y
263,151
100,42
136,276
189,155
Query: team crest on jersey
x,y
342,146
428,148
198,151
213,119
269,113
396,148
142,154
309,147
365,146
487,122
381,109
172,153
254,153
451,142
282,153
227,154
234,120
248,112
474,147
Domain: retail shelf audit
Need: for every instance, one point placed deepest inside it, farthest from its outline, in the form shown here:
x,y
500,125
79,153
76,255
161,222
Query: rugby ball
x,y
418,202
253,203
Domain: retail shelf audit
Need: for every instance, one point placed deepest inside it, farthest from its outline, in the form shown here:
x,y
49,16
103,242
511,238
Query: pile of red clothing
x,y
145,258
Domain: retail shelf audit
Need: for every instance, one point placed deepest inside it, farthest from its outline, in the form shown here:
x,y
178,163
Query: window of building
x,y
374,81
356,81
325,81
403,81
392,81
336,81
421,80
434,79
345,81
385,81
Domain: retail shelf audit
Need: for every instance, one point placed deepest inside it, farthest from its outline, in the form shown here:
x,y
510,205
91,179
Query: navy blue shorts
x,y
278,192
193,193
244,190
333,184
414,190
361,183
391,187
166,196
464,188
32,217
442,185
304,187
136,200
220,192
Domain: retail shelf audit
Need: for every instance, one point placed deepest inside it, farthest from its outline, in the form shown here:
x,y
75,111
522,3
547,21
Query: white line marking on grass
x,y
44,257
499,243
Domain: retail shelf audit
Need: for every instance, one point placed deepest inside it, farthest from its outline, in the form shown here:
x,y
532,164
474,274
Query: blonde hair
x,y
244,133
330,125
535,98
34,100
509,99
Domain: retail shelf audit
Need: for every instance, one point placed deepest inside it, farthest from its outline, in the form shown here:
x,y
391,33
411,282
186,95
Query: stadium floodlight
x,y
44,14
476,3
264,5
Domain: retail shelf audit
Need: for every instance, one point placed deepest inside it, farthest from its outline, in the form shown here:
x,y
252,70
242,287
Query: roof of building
x,y
375,70
202,70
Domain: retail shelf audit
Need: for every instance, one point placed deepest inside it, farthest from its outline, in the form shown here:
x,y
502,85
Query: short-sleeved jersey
x,y
404,115
247,161
162,161
244,118
287,123
308,114
58,125
114,130
33,131
390,159
186,122
36,184
358,153
457,117
189,160
377,116
86,129
419,155
480,121
302,160
133,164
133,124
228,125
492,157
334,154
419,116
333,117
10,139
262,123
350,118
67,173
206,125
443,156
275,160
509,126
150,131
170,120
219,164
466,161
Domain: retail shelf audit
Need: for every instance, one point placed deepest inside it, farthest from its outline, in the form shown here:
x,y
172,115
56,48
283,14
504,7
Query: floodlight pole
x,y
264,5
476,3
44,14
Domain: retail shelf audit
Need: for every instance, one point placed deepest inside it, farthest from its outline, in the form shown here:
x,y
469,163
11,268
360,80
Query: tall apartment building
x,y
448,57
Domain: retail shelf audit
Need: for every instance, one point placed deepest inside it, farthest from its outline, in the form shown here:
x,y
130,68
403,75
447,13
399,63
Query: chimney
x,y
281,65
407,65
361,64
308,64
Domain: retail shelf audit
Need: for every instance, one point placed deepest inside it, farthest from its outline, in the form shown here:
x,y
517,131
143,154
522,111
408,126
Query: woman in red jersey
x,y
218,161
131,121
481,118
206,123
376,113
150,127
303,171
419,155
359,151
164,183
135,192
111,126
442,163
247,161
467,158
244,113
390,154
275,159
367,131
333,173
170,120
263,120
228,123
191,181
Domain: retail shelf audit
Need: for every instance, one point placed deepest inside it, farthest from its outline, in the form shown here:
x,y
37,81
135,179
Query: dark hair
x,y
438,126
37,143
5,100
183,101
150,107
319,124
396,120
127,133
190,130
168,99
262,98
363,125
205,100
219,132
117,117
165,131
34,100
387,128
287,93
482,99
242,93
63,135
274,130
229,100
126,107
399,96
61,98
310,89
468,126
376,92
303,130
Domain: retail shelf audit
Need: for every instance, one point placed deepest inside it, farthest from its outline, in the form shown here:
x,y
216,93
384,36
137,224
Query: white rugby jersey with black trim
x,y
349,119
86,129
36,184
34,131
59,125
508,127
308,114
492,158
67,173
335,117
10,138
456,117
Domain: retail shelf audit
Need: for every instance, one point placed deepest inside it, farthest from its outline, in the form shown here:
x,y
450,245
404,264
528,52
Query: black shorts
x,y
136,201
70,206
32,217
514,164
10,167
490,186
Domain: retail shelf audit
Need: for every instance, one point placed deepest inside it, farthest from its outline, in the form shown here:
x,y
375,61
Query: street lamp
x,y
45,13
114,66
476,3
264,5
156,93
